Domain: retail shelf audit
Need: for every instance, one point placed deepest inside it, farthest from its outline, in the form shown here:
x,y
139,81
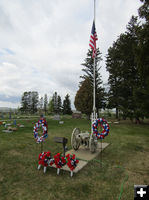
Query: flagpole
x,y
94,90
92,44
93,38
94,10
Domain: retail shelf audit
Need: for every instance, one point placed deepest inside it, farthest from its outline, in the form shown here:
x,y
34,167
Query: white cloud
x,y
43,42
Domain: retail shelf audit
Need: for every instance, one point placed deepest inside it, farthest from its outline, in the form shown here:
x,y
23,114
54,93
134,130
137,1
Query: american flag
x,y
93,39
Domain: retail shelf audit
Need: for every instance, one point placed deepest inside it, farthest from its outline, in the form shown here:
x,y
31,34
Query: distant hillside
x,y
6,109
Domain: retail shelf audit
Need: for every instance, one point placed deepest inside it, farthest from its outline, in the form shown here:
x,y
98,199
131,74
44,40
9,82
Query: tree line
x,y
127,62
31,103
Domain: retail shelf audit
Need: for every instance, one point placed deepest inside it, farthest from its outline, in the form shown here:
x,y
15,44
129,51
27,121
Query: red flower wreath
x,y
59,161
45,159
72,161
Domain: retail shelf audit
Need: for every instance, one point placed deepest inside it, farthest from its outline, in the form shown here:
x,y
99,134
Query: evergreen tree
x,y
142,58
67,105
51,105
24,102
128,66
113,66
45,103
144,11
34,101
89,73
59,104
123,74
41,104
55,102
29,102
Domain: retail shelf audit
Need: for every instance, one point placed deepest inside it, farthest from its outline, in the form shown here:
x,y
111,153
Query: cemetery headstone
x,y
21,126
76,115
56,117
61,122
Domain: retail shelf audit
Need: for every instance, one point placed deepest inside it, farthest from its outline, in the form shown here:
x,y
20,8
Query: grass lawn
x,y
125,163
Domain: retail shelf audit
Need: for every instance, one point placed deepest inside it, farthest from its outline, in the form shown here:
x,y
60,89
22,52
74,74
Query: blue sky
x,y
43,43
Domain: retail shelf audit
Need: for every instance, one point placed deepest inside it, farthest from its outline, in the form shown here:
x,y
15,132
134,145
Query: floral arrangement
x,y
45,160
72,161
59,160
105,126
42,122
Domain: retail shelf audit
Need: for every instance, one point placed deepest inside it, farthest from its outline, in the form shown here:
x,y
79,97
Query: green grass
x,y
127,157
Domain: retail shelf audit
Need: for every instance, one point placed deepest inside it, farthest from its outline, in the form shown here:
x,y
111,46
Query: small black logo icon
x,y
141,192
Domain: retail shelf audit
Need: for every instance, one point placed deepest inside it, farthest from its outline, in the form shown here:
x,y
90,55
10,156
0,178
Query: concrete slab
x,y
80,165
84,154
